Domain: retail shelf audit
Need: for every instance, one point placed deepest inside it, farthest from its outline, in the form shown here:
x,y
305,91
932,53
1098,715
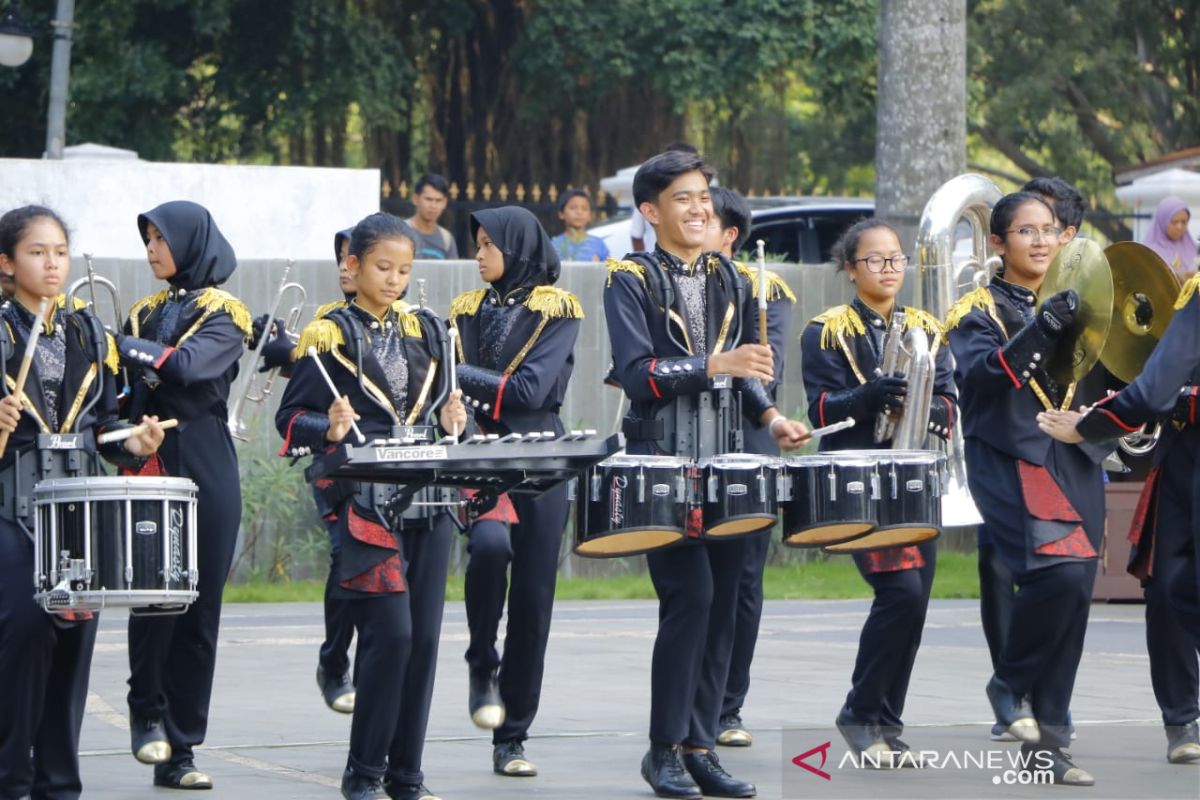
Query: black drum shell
x,y
740,496
822,511
631,506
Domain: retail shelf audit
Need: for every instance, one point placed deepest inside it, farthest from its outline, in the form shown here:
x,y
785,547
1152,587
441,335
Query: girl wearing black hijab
x,y
515,348
182,346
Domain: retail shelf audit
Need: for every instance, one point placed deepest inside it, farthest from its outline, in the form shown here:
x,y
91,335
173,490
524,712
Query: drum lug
x,y
895,483
783,487
595,487
833,482
875,493
712,488
641,486
128,575
193,576
762,488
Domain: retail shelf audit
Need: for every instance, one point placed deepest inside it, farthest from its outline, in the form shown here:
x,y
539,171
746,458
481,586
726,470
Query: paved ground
x,y
271,737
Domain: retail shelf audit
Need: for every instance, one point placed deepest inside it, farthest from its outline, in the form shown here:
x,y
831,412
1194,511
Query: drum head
x,y
741,526
883,539
628,543
828,534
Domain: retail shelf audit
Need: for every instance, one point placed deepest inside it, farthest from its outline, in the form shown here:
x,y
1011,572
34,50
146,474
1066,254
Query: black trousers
x,y
747,616
397,660
43,683
1172,606
887,646
334,655
996,590
172,658
531,547
697,587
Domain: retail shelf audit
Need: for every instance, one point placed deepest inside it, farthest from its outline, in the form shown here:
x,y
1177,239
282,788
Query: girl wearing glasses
x,y
1042,501
842,356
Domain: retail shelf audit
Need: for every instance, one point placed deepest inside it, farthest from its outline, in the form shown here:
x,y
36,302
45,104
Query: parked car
x,y
798,230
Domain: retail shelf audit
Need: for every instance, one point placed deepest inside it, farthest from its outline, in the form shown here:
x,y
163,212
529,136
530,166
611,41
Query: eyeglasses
x,y
1031,234
877,263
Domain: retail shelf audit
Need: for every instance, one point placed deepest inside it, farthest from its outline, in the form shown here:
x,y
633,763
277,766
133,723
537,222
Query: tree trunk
x,y
921,112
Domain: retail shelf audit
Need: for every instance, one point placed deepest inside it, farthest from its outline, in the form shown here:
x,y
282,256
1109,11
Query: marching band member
x,y
661,354
842,356
390,571
1166,526
728,231
516,345
182,346
45,658
1042,501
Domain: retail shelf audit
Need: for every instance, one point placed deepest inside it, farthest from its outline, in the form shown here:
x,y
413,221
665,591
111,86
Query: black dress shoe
x,y
1183,743
865,740
148,740
409,791
338,690
733,732
1039,760
904,756
181,774
508,758
1013,712
361,787
487,709
663,769
712,778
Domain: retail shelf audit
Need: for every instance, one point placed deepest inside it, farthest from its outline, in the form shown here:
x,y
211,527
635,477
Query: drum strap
x,y
30,466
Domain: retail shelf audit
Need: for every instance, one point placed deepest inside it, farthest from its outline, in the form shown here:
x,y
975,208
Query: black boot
x,y
733,732
484,703
712,778
409,791
865,740
1183,743
148,740
1014,713
662,767
361,787
337,690
1039,759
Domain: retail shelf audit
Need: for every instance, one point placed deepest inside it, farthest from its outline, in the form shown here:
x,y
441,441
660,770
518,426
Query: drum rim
x,y
627,460
114,487
740,461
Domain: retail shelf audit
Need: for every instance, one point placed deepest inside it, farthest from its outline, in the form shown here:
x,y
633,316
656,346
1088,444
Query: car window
x,y
781,239
808,237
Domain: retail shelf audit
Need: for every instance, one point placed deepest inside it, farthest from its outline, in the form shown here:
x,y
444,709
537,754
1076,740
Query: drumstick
x,y
129,433
453,334
834,428
762,295
312,353
26,362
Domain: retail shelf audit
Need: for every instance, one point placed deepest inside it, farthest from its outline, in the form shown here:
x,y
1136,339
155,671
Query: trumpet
x,y
249,391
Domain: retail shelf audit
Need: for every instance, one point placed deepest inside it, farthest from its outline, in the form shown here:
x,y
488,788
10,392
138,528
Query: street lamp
x,y
16,37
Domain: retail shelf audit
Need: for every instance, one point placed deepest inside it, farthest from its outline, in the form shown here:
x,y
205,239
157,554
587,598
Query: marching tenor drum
x,y
739,494
829,498
910,500
120,541
633,504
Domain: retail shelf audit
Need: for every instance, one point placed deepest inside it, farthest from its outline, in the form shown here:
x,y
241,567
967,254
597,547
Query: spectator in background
x,y
641,233
430,198
1169,236
574,243
1064,200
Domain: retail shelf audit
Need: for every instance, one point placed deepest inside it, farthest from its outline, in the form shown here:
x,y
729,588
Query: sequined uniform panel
x,y
387,345
691,280
498,320
50,357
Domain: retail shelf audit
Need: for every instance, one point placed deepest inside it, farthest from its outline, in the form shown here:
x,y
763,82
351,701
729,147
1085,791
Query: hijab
x,y
1182,251
202,255
529,257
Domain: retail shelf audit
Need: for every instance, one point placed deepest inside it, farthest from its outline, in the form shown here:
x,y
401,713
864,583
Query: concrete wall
x,y
265,212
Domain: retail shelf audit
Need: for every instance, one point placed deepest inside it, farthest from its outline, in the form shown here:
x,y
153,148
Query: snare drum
x,y
910,502
829,498
633,504
115,541
739,494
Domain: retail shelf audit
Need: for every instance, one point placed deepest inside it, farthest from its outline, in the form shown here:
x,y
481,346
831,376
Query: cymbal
x,y
1080,265
1142,282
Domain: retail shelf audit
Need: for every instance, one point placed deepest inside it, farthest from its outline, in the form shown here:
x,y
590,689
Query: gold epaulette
x,y
467,304
615,265
148,303
980,298
1189,289
554,303
112,359
323,334
61,302
919,318
213,300
401,306
838,321
777,288
323,311
410,324
712,262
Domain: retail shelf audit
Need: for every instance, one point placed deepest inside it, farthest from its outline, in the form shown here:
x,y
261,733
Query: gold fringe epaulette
x,y
919,318
777,288
554,303
323,334
467,304
615,265
838,321
401,306
980,298
78,305
1189,289
410,324
213,300
112,359
148,303
323,311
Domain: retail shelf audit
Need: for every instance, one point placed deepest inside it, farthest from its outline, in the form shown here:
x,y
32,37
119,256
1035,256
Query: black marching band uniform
x,y
842,355
388,562
1041,500
44,658
182,346
664,318
516,354
1165,533
757,439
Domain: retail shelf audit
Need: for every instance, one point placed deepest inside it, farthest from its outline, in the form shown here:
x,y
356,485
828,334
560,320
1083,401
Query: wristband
x,y
771,426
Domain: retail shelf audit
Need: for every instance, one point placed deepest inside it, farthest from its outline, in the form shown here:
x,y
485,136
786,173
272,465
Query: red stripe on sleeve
x,y
821,410
499,397
163,358
1003,363
287,439
653,385
1117,420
